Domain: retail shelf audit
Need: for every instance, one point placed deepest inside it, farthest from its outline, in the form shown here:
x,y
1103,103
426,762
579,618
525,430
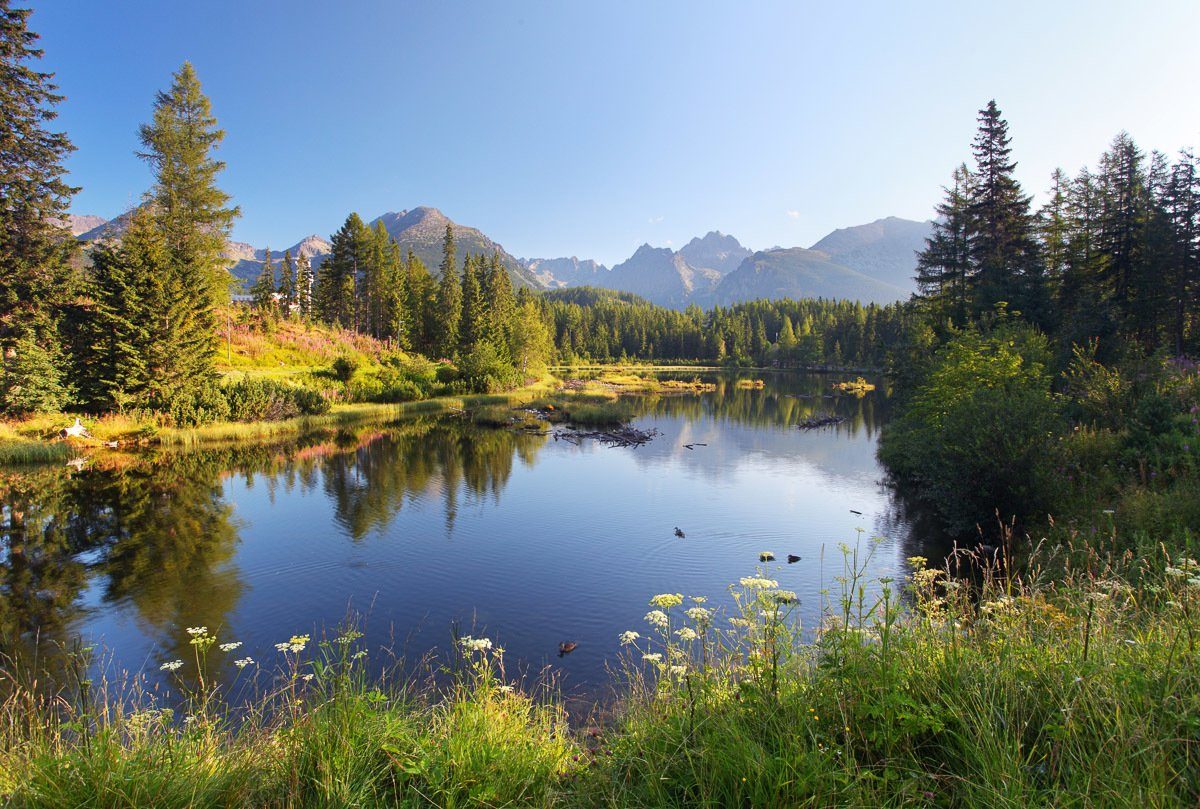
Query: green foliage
x,y
31,381
1005,692
244,401
485,371
36,278
344,368
975,436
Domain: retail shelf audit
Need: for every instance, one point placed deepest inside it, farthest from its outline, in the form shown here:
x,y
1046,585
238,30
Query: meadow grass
x,y
1081,689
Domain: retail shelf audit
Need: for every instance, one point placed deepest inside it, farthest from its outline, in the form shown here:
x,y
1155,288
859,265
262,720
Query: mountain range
x,y
873,263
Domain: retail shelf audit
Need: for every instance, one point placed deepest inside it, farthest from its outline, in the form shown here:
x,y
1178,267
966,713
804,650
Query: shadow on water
x,y
437,521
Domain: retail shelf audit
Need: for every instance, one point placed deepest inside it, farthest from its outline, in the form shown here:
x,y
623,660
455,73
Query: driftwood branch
x,y
820,421
617,437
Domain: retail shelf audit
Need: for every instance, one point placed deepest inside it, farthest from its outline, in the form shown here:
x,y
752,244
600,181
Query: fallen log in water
x,y
822,421
617,437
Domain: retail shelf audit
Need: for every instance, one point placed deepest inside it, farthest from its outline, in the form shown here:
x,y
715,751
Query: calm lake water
x,y
433,523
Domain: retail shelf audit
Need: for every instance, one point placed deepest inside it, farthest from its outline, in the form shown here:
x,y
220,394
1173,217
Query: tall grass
x,y
30,452
988,690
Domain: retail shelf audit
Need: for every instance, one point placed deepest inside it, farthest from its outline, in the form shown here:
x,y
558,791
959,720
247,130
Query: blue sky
x,y
570,128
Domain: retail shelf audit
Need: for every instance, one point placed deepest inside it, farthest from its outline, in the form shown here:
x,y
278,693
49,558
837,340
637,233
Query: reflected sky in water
x,y
433,523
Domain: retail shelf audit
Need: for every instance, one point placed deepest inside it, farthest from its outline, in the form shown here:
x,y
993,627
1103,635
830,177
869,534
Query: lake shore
x,y
36,439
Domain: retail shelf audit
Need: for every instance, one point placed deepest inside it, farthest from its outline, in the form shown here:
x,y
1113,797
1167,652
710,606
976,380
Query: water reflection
x,y
440,521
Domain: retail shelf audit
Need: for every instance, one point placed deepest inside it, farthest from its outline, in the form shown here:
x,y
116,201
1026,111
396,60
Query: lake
x,y
434,525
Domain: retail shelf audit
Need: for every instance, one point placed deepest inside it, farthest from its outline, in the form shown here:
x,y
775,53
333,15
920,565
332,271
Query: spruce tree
x,y
262,294
1003,250
499,306
186,223
337,280
36,279
944,275
304,286
471,317
420,305
1182,207
287,285
447,318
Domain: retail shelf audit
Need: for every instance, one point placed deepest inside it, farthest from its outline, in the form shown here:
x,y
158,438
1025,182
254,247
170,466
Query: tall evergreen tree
x,y
944,273
1003,248
193,213
447,317
337,280
152,341
420,305
262,294
1182,207
499,306
287,284
304,286
470,323
36,279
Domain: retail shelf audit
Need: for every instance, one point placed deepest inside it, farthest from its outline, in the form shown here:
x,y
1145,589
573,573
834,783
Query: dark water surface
x,y
430,523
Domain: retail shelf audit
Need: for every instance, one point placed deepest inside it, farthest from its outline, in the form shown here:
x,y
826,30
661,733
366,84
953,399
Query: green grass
x,y
32,452
1081,690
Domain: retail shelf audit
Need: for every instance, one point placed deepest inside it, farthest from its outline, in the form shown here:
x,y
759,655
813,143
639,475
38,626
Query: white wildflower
x,y
171,665
229,647
758,583
629,637
657,618
678,671
197,630
654,657
506,689
699,614
471,644
243,662
306,677
687,633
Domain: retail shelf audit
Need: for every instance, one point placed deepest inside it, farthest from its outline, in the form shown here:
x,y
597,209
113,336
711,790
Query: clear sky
x,y
572,128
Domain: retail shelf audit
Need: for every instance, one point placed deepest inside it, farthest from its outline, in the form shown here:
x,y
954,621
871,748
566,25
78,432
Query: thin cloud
x,y
793,214
654,220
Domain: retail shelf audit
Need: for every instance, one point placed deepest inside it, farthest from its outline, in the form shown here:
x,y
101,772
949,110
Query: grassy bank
x,y
1082,690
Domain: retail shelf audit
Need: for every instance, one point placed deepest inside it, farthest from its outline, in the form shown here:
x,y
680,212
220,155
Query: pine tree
x,y
470,321
420,305
304,286
287,285
149,346
192,212
1182,207
262,294
173,265
337,280
32,381
447,317
499,306
944,274
36,279
1003,250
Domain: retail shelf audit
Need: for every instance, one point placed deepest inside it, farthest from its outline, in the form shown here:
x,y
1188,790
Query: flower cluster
x,y
171,665
657,618
295,644
629,637
229,647
757,583
471,644
667,600
243,662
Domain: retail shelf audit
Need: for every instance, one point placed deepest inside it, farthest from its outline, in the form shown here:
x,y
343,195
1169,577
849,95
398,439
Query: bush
x,y
344,367
978,433
244,400
203,404
486,372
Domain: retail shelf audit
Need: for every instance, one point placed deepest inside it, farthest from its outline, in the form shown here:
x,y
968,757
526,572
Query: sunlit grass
x,y
988,691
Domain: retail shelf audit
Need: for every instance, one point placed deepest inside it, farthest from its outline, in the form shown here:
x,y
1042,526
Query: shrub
x,y
203,404
344,367
978,432
485,371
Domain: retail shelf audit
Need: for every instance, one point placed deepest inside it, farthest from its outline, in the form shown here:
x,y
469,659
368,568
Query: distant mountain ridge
x,y
874,262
